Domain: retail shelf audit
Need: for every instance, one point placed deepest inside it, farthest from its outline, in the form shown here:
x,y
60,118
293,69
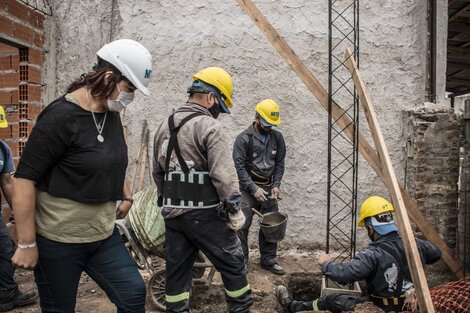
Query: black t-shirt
x,y
64,157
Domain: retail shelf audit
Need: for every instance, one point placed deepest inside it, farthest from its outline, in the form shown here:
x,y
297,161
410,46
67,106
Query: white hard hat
x,y
132,59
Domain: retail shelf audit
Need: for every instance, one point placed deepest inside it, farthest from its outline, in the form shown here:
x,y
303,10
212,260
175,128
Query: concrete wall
x,y
186,36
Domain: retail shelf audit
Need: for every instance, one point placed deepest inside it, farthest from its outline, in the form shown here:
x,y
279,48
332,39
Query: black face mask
x,y
214,110
261,130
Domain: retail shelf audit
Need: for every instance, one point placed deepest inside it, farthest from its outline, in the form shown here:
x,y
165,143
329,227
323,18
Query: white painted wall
x,y
186,36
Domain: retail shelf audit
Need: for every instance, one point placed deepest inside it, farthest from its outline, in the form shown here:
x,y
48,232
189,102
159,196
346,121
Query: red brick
x,y
9,62
39,39
35,56
30,93
9,80
36,19
15,130
15,62
5,133
34,74
29,111
3,5
25,128
7,48
13,145
18,9
6,26
13,117
23,33
9,96
34,93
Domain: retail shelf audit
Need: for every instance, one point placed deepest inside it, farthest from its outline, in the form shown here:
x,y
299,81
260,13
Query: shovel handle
x,y
256,212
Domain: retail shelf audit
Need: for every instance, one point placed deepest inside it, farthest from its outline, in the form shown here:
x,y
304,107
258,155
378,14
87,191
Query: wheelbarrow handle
x,y
257,212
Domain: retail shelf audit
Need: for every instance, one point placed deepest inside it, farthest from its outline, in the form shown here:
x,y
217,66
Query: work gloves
x,y
260,195
275,193
236,220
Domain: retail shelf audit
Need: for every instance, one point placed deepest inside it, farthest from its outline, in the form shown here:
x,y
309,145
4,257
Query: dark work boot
x,y
19,299
274,268
282,295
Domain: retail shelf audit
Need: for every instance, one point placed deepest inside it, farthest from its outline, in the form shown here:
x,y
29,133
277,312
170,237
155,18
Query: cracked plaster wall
x,y
186,36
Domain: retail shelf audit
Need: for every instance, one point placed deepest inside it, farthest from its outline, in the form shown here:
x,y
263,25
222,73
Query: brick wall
x,y
432,169
21,58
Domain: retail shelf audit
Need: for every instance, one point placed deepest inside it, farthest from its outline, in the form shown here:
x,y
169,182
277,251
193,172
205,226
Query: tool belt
x,y
260,180
390,301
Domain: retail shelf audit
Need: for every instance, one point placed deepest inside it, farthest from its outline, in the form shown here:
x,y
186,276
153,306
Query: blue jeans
x,y
106,261
7,247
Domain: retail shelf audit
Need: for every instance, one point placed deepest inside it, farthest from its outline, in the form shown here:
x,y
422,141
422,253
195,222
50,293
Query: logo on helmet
x,y
147,73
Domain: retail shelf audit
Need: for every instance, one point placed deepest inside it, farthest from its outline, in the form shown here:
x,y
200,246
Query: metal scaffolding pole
x,y
342,152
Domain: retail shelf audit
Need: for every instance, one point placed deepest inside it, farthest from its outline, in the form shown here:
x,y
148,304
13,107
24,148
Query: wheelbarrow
x,y
143,233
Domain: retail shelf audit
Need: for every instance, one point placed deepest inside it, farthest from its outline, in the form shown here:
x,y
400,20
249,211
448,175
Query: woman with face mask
x,y
69,179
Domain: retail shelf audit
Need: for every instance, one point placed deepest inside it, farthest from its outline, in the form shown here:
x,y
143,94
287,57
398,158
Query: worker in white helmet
x,y
70,178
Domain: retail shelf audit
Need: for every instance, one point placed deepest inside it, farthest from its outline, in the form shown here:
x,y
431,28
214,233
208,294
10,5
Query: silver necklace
x,y
99,126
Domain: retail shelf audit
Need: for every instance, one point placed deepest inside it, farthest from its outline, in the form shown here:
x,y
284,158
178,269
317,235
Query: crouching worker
x,y
382,265
198,189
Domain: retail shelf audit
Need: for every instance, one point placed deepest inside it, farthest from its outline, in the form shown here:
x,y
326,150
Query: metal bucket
x,y
273,225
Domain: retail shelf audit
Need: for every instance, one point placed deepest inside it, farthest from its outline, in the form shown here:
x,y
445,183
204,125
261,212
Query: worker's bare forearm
x,y
7,187
24,198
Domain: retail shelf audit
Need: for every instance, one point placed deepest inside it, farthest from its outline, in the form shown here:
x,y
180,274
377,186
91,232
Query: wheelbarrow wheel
x,y
137,258
198,272
157,289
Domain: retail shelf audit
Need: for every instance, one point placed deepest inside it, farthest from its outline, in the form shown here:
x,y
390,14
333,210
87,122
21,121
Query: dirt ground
x,y
302,278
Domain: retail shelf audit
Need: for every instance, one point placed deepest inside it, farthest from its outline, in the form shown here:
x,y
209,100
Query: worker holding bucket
x,y
259,154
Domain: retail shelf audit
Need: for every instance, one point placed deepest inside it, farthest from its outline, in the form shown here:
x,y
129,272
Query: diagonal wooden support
x,y
369,154
406,233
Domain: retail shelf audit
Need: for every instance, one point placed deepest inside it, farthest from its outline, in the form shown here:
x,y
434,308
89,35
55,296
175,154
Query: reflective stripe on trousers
x,y
176,298
237,293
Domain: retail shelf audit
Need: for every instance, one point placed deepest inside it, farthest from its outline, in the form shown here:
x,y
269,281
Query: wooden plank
x,y
138,157
345,123
145,157
404,225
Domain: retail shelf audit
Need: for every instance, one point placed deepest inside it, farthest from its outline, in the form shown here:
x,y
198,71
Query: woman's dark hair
x,y
95,80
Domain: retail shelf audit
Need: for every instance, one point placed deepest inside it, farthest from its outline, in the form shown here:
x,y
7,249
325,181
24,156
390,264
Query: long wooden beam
x,y
404,225
345,123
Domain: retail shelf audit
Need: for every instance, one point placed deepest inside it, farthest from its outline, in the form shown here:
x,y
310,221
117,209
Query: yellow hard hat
x,y
220,79
3,118
373,206
269,111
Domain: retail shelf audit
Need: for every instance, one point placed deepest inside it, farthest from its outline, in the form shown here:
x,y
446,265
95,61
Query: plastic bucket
x,y
273,225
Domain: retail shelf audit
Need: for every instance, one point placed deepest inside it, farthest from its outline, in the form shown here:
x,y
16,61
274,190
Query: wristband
x,y
26,246
129,199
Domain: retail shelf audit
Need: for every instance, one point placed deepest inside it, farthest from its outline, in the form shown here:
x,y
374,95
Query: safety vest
x,y
186,189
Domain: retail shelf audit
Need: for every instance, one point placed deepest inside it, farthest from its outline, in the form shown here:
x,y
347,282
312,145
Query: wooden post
x,y
369,154
138,157
409,242
143,163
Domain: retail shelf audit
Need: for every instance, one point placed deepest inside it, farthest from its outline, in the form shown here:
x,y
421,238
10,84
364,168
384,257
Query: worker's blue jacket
x,y
379,268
